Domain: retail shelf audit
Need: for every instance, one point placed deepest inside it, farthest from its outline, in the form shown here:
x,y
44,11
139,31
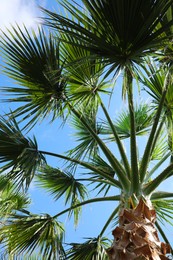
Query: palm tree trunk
x,y
136,236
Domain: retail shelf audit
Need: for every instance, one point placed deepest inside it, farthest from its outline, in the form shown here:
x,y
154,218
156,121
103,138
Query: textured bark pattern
x,y
136,237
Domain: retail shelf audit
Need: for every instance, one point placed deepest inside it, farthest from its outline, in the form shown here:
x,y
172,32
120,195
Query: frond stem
x,y
86,165
133,146
162,233
157,133
95,180
118,141
161,195
111,198
157,166
151,186
111,158
109,220
149,146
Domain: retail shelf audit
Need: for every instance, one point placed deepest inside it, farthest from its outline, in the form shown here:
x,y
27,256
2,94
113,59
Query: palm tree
x,y
68,74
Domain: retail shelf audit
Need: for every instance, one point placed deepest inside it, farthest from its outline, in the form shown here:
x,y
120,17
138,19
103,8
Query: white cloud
x,y
19,12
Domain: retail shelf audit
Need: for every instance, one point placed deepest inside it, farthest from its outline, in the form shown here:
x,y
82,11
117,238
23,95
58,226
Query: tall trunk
x,y
136,237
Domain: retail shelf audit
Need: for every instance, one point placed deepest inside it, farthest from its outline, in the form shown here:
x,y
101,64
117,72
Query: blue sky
x,y
52,137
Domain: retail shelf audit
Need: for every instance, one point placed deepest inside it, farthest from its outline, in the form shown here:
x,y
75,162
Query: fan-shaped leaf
x,y
93,248
120,31
85,76
25,233
143,122
59,184
88,146
160,148
18,154
10,199
33,62
104,187
164,210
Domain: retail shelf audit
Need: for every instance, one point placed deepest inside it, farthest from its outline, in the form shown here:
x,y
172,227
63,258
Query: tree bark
x,y
136,237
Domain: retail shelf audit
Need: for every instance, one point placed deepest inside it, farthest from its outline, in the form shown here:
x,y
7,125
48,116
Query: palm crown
x,y
68,74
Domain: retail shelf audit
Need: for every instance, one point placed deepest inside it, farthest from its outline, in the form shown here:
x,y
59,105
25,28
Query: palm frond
x,y
157,165
86,165
88,146
10,202
98,161
18,154
26,233
107,152
164,210
151,186
160,148
105,199
156,195
143,119
153,80
93,248
154,83
85,76
166,58
10,199
155,130
110,31
169,128
59,184
33,62
22,257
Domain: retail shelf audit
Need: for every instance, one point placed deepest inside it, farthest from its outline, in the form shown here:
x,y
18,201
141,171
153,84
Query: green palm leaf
x,y
87,146
161,147
25,233
99,182
143,122
121,32
93,248
18,155
22,257
153,81
164,210
11,202
33,62
84,75
60,183
166,57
